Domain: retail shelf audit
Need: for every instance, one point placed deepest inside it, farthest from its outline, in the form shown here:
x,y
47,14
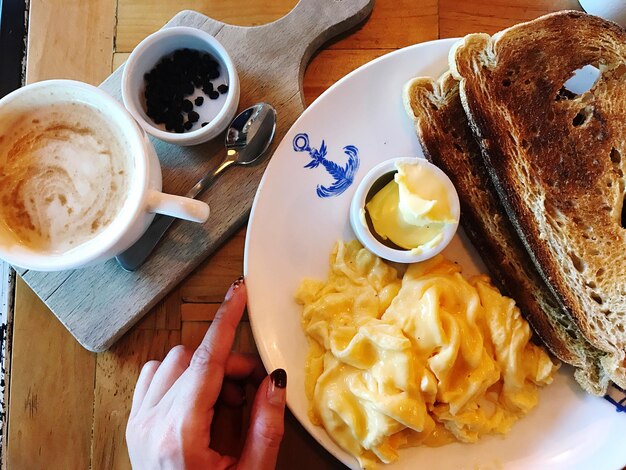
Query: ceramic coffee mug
x,y
136,203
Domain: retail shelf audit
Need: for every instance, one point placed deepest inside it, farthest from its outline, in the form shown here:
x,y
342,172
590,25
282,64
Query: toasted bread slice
x,y
558,161
447,141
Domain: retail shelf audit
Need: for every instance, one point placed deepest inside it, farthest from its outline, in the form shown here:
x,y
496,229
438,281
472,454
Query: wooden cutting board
x,y
99,304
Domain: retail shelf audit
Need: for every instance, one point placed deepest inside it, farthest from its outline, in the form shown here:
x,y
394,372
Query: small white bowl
x,y
161,44
360,226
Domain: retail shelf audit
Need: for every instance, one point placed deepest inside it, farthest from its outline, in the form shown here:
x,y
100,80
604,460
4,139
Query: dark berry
x,y
222,89
214,95
187,106
188,125
203,124
178,55
174,78
213,73
179,129
193,116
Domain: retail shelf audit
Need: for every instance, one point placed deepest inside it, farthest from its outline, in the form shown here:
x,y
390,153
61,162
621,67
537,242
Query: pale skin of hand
x,y
173,405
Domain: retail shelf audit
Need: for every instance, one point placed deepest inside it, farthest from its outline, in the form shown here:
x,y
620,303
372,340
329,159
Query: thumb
x,y
266,424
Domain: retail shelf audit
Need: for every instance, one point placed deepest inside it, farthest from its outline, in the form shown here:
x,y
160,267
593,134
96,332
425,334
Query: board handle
x,y
314,22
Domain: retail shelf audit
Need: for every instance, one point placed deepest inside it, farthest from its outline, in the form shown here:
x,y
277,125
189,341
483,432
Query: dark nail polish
x,y
279,378
238,281
233,287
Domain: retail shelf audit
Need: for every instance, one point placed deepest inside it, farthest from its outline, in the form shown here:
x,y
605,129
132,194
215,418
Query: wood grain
x,y
401,21
139,18
486,16
330,65
70,39
51,395
393,25
198,312
209,282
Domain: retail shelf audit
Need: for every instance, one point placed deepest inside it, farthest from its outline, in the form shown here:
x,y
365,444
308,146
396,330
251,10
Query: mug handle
x,y
178,206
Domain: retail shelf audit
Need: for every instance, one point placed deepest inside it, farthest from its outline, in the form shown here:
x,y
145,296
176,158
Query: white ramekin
x,y
161,44
365,236
144,197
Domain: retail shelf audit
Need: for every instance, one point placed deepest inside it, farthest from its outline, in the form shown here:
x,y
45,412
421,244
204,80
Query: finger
x,y
232,394
226,463
240,366
201,383
260,450
172,367
143,383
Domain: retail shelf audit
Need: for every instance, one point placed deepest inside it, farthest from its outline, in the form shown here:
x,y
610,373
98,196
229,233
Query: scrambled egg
x,y
426,359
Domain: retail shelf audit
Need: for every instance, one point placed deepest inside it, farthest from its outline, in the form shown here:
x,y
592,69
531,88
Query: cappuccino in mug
x,y
79,180
64,175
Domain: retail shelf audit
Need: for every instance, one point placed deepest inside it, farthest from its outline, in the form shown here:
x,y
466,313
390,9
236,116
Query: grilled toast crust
x,y
558,164
446,138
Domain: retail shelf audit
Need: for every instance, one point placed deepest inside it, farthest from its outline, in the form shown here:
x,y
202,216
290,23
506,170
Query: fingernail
x,y
233,287
279,378
276,391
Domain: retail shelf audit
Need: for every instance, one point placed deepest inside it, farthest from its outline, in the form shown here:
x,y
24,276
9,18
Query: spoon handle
x,y
137,254
207,181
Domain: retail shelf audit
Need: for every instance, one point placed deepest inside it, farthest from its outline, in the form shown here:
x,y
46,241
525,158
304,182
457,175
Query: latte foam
x,y
64,176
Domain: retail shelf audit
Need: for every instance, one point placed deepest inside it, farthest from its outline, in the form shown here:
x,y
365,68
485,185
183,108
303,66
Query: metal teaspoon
x,y
247,139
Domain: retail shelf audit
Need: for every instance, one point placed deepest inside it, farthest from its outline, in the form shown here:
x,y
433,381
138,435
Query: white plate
x,y
292,231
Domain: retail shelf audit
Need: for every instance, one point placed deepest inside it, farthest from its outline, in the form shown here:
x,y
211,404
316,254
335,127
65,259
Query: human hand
x,y
173,404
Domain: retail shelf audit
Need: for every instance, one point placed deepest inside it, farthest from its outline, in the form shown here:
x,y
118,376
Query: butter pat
x,y
423,196
413,210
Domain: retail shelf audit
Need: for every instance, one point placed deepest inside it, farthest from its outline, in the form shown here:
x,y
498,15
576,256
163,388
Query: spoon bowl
x,y
247,139
249,132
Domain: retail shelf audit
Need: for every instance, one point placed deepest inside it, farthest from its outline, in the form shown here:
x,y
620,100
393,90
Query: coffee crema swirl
x,y
64,176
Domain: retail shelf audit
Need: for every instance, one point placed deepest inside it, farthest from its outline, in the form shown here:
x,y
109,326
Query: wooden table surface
x,y
68,407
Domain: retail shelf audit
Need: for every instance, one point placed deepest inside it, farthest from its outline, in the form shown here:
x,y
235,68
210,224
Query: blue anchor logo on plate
x,y
343,176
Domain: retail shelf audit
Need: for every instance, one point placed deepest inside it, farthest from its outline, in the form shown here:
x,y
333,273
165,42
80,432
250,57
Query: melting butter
x,y
413,210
